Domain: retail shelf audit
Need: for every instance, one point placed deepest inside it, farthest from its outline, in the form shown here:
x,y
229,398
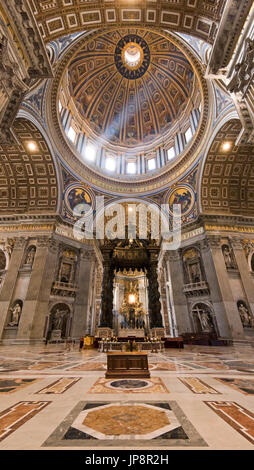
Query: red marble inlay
x,y
236,415
12,418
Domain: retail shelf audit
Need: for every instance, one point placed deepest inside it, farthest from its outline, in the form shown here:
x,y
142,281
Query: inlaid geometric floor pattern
x,y
121,422
237,416
161,366
197,385
13,366
245,386
60,386
12,385
44,365
12,418
89,366
153,385
196,398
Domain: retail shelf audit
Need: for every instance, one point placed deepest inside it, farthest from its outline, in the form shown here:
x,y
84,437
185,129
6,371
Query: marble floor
x,y
197,398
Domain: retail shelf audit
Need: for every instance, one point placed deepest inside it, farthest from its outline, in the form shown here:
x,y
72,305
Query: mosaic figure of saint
x,y
79,201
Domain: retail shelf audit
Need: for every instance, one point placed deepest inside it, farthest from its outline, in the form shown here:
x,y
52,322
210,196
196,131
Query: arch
x,y
29,181
227,179
190,17
24,114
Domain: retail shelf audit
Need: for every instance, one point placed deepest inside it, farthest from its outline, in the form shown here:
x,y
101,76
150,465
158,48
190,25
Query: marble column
x,y
154,304
226,312
106,320
164,303
35,308
10,280
97,305
244,271
81,305
177,296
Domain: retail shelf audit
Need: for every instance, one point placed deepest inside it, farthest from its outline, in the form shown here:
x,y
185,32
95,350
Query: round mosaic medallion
x,y
78,200
132,56
131,383
183,195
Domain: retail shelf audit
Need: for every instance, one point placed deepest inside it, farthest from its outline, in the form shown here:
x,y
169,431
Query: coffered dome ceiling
x,y
128,109
130,88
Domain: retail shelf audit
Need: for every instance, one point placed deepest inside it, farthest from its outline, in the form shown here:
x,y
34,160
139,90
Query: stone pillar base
x,y
157,332
104,332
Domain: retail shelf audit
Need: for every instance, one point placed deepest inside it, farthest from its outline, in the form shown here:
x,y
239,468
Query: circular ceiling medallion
x,y
132,56
78,200
183,195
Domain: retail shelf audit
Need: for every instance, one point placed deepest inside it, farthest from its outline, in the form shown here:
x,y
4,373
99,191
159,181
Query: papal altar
x,y
153,346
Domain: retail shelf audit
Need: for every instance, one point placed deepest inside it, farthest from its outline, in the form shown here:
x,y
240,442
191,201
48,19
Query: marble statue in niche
x,y
65,272
30,256
203,318
206,322
229,262
15,313
59,320
195,272
192,266
245,316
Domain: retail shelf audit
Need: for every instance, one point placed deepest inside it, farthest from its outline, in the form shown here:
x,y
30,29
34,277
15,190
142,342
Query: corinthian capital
x,y
214,241
87,255
20,242
43,242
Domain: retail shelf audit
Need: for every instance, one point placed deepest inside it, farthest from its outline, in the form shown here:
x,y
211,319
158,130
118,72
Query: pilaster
x,y
81,306
177,297
227,316
245,274
35,308
9,283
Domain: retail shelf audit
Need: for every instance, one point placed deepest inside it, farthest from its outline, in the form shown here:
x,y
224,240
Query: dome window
x,y
151,164
110,164
171,153
71,135
131,168
89,152
188,135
